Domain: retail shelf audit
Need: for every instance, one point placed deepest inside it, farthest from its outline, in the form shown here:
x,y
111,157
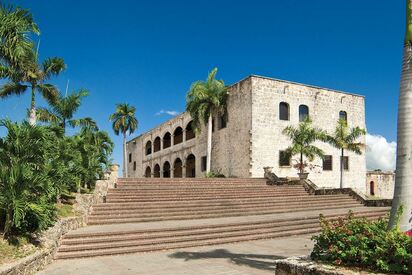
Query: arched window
x,y
189,131
191,166
148,148
372,188
303,112
343,115
283,111
167,140
156,171
177,168
178,136
166,170
156,145
148,172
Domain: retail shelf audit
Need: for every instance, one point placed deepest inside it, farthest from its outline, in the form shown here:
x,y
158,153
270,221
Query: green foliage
x,y
302,138
215,174
124,119
345,138
27,190
361,243
62,109
206,98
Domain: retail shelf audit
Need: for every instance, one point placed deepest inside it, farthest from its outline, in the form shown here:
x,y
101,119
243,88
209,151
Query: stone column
x,y
184,135
172,139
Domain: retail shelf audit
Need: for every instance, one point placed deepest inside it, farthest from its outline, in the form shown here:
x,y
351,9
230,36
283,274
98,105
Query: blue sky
x,y
147,53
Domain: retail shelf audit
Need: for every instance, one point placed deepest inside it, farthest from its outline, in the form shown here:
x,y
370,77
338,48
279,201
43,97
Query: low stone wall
x,y
304,266
314,189
49,239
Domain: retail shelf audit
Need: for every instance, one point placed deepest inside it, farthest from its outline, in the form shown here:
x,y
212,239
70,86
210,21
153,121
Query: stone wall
x,y
253,136
324,107
380,184
49,239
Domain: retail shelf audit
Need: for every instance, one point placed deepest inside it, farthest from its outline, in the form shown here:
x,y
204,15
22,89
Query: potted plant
x,y
302,138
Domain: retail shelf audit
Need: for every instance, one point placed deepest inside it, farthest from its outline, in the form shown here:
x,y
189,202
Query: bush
x,y
214,174
361,243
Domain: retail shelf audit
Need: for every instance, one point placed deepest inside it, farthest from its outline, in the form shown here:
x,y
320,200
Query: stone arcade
x,y
251,138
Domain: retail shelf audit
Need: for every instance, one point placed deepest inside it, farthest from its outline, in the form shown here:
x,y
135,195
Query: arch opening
x,y
148,148
178,168
303,112
156,171
156,144
167,140
148,172
178,136
190,133
283,111
166,169
191,166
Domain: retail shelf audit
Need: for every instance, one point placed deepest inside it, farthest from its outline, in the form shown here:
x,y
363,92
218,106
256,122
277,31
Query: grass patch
x,y
65,210
12,252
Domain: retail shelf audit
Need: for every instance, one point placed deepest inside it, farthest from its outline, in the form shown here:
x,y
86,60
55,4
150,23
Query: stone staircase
x,y
143,215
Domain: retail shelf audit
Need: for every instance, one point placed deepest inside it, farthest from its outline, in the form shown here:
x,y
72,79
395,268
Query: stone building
x,y
380,184
250,138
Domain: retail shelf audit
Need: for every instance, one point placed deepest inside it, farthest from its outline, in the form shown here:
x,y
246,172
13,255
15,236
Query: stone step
x,y
187,241
177,245
122,189
195,197
102,237
223,207
197,194
220,201
93,220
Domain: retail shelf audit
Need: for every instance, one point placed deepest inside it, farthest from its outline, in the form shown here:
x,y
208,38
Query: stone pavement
x,y
254,257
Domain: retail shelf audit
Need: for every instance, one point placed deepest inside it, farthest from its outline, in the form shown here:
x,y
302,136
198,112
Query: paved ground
x,y
254,257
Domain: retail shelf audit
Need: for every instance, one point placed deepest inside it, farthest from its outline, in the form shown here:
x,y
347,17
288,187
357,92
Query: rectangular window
x,y
327,163
203,163
222,121
130,157
134,166
213,124
346,163
284,158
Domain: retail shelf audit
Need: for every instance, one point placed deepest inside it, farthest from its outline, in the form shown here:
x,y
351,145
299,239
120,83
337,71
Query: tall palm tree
x,y
62,110
33,76
345,138
124,120
16,26
403,180
302,138
204,99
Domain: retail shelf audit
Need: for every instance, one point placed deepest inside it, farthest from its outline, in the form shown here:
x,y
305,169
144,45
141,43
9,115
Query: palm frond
x,y
12,88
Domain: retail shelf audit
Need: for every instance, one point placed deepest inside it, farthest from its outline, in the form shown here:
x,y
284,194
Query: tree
x,y
302,138
345,138
16,27
123,121
63,109
32,75
27,192
403,180
205,99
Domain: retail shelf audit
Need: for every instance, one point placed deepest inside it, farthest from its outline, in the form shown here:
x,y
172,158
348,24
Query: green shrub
x,y
362,243
215,174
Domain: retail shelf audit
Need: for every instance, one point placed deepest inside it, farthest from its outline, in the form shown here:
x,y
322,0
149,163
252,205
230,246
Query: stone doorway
x,y
178,168
191,166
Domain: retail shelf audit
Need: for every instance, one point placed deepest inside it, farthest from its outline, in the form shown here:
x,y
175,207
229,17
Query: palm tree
x,y
345,138
302,138
204,99
403,180
16,26
32,75
124,120
62,110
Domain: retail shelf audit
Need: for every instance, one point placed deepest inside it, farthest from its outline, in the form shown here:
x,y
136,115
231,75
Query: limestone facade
x,y
380,184
252,137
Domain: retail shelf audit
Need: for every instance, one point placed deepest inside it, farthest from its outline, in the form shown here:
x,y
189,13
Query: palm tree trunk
x,y
124,156
32,117
8,223
403,180
209,143
301,163
341,168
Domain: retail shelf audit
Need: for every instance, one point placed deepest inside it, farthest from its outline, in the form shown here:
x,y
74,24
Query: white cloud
x,y
170,113
380,154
